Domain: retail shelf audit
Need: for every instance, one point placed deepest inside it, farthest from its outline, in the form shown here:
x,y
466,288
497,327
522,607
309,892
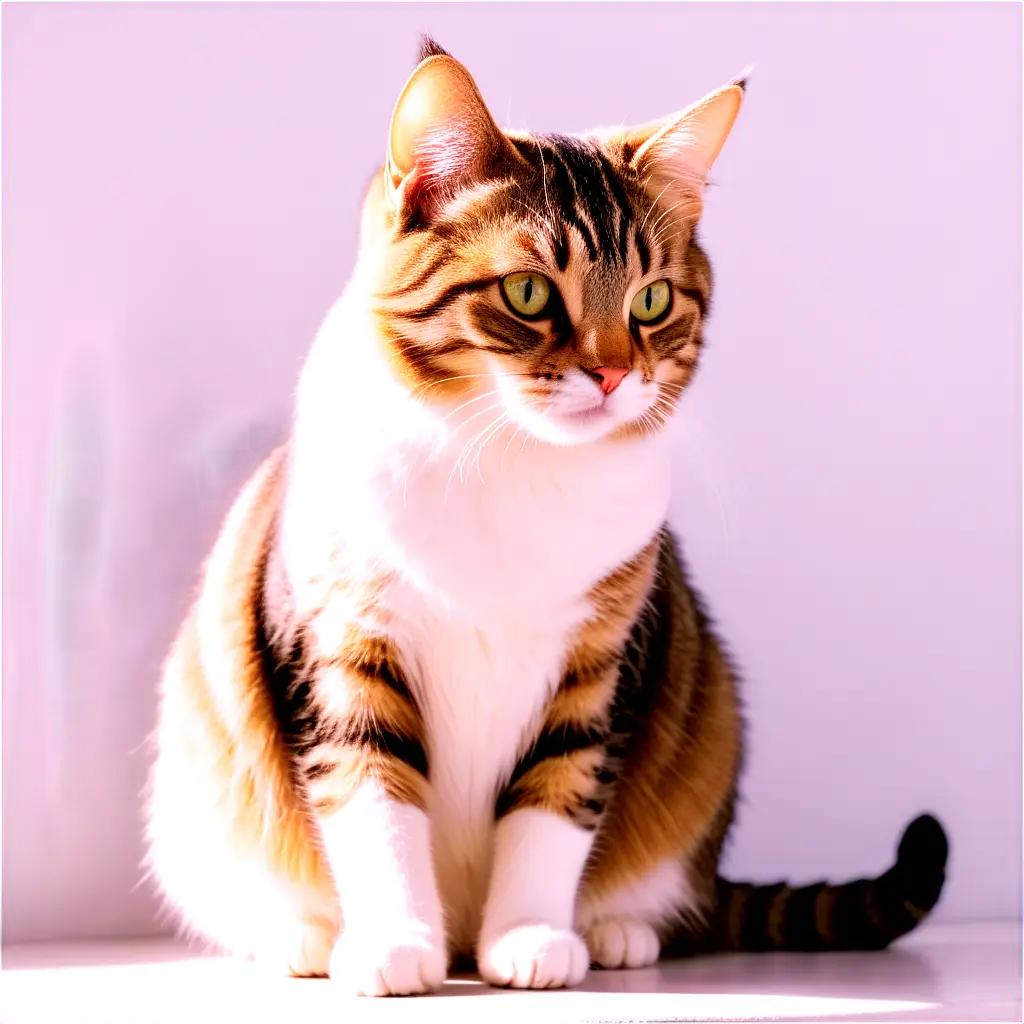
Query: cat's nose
x,y
609,377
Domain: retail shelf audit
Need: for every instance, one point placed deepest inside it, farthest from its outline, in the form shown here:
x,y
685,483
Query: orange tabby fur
x,y
298,690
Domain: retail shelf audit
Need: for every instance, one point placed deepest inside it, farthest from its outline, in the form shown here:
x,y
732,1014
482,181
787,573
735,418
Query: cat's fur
x,y
445,691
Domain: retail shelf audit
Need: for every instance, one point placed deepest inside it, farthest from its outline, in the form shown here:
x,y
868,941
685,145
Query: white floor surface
x,y
941,973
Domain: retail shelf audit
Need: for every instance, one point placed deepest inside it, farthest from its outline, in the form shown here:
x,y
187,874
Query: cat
x,y
445,694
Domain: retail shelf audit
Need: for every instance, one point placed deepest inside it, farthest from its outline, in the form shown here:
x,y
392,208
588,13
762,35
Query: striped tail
x,y
866,914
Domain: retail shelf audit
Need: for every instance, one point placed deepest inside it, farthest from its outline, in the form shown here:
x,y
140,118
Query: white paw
x,y
533,956
622,942
367,965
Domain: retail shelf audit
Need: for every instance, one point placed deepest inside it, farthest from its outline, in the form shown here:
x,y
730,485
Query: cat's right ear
x,y
677,152
442,137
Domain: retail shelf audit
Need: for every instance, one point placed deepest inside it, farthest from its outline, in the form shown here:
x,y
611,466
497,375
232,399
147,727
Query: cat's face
x,y
555,283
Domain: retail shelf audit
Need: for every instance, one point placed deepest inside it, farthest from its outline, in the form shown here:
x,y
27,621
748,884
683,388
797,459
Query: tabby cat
x,y
445,693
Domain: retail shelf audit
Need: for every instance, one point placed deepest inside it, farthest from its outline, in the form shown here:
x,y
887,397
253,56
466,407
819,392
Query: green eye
x,y
651,302
527,294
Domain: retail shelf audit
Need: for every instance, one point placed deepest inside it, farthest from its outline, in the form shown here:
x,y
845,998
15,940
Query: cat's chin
x,y
573,428
578,428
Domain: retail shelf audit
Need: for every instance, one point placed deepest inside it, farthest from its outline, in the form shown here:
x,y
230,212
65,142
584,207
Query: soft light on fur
x,y
445,691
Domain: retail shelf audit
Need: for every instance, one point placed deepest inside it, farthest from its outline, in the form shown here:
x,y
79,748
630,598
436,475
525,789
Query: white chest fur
x,y
489,571
502,567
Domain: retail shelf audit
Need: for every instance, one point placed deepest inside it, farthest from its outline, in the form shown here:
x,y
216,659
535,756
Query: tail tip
x,y
921,861
924,843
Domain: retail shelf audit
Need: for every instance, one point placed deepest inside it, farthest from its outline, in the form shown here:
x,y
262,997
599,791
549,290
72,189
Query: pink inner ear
x,y
445,159
673,176
446,152
676,156
686,147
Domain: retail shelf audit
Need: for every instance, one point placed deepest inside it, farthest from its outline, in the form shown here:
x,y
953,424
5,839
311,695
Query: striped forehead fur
x,y
562,183
563,186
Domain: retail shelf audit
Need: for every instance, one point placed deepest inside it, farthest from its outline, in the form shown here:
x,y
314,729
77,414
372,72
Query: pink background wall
x,y
180,200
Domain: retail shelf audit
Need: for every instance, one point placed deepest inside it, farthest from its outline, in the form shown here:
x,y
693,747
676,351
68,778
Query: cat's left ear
x,y
678,151
442,135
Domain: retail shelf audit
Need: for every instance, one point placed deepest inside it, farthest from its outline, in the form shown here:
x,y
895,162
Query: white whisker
x,y
650,209
544,177
467,449
485,442
478,414
460,376
665,213
459,408
508,443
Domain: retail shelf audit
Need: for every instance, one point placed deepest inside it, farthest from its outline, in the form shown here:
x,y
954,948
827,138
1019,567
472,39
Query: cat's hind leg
x,y
623,927
230,848
230,844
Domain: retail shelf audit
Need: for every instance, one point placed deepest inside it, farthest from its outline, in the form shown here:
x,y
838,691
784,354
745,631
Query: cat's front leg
x,y
547,817
527,939
365,771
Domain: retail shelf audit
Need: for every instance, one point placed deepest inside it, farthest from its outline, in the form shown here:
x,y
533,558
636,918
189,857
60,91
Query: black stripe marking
x,y
625,210
418,358
509,331
679,330
382,671
800,929
597,193
440,259
558,742
586,187
850,923
623,249
407,749
628,152
643,252
284,660
590,672
591,190
454,345
561,247
319,770
551,743
566,194
444,300
288,675
754,932
696,296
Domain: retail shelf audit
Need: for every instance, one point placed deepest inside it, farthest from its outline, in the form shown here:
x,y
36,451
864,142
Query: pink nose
x,y
609,377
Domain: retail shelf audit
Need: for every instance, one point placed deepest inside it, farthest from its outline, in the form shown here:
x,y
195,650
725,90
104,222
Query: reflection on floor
x,y
942,973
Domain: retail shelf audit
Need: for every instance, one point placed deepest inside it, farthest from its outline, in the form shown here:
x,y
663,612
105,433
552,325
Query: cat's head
x,y
554,280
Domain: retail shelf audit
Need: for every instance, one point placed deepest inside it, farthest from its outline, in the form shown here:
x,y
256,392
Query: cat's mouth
x,y
573,414
587,414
